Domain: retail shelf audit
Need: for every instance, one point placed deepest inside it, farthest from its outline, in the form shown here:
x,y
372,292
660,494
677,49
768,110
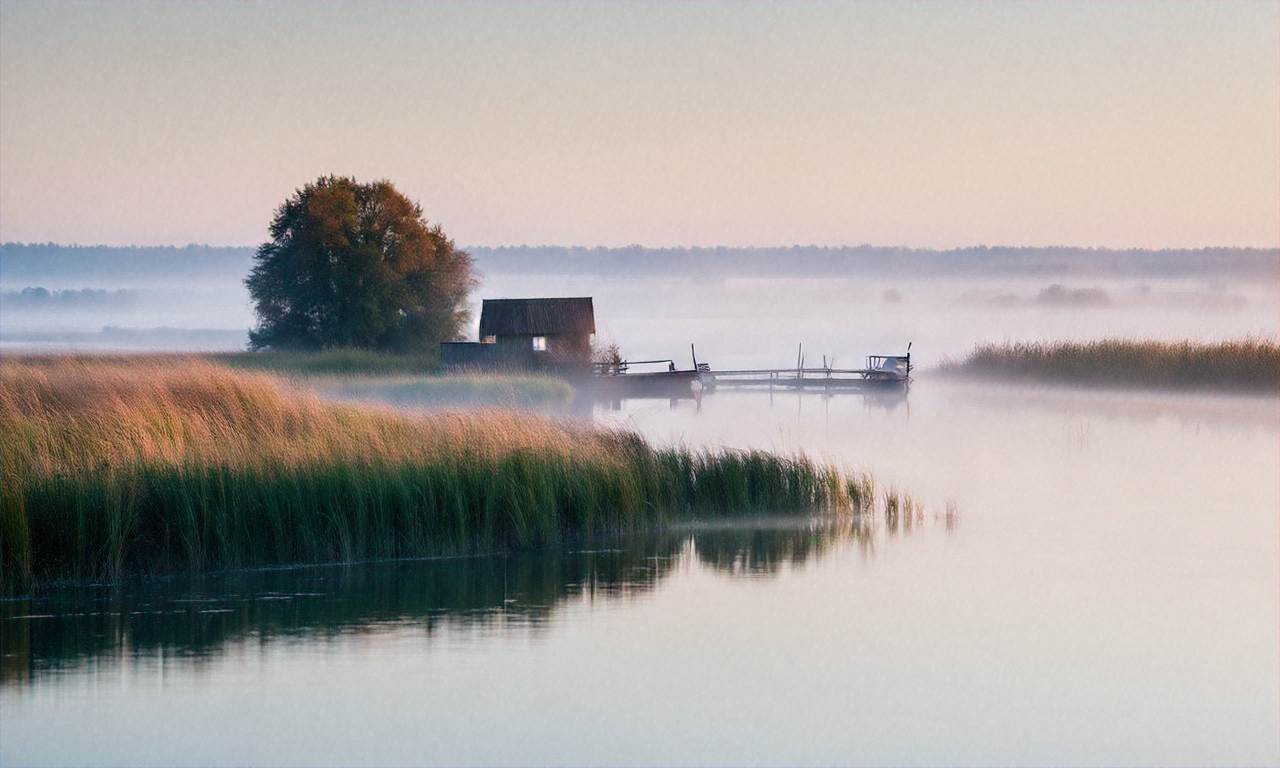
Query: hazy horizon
x,y
707,246
929,126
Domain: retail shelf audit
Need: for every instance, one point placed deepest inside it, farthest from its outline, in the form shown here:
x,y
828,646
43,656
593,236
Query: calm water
x,y
1109,593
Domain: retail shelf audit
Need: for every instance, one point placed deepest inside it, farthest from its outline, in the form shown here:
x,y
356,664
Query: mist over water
x,y
741,308
1105,591
747,322
734,323
149,315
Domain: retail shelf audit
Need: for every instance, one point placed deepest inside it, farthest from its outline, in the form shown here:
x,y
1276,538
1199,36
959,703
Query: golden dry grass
x,y
117,465
74,412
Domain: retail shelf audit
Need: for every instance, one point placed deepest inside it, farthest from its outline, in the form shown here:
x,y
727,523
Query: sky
x,y
918,124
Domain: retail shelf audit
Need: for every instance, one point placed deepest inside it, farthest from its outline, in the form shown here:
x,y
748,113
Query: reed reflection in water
x,y
194,620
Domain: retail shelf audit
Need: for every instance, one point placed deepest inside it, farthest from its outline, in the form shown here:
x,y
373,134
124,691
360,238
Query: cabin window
x,y
539,343
489,340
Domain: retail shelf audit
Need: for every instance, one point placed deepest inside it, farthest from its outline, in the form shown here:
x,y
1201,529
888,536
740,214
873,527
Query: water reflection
x,y
411,396
886,400
765,551
195,619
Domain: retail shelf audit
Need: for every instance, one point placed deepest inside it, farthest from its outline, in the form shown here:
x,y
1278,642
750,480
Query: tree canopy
x,y
357,265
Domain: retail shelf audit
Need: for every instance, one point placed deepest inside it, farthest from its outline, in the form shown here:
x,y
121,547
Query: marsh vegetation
x,y
340,361
1245,365
508,390
116,465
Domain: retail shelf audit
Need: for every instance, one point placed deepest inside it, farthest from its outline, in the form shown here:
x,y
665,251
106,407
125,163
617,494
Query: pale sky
x,y
920,124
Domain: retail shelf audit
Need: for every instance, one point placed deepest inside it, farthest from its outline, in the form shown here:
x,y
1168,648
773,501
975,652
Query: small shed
x,y
527,333
560,327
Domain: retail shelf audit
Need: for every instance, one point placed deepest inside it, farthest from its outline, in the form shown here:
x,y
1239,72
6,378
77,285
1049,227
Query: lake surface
x,y
1107,591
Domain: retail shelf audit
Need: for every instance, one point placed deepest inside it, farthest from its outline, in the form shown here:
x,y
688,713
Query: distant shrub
x,y
1060,296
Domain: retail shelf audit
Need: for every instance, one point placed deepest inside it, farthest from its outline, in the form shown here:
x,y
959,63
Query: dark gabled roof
x,y
537,317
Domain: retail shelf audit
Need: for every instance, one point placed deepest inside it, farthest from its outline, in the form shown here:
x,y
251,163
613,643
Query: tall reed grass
x,y
115,466
1245,365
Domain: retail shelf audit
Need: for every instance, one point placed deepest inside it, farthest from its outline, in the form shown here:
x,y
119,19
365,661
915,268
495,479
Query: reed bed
x,y
1245,365
110,466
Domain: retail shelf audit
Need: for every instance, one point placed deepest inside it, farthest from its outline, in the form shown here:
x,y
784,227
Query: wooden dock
x,y
806,378
882,372
617,378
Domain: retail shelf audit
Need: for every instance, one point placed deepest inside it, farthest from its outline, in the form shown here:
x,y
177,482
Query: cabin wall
x,y
560,347
505,354
517,352
570,347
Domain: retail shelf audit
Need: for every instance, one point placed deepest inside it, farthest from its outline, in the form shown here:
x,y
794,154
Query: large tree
x,y
357,265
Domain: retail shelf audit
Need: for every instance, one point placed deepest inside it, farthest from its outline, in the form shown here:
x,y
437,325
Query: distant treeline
x,y
37,297
154,337
43,261
34,262
812,260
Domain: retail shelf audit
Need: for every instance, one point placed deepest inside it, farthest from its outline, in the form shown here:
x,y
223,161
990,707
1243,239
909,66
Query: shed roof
x,y
537,317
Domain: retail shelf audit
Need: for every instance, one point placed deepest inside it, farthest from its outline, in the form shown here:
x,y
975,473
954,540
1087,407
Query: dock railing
x,y
617,368
824,377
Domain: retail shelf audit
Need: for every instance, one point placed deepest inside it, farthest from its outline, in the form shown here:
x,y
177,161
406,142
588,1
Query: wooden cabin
x,y
537,333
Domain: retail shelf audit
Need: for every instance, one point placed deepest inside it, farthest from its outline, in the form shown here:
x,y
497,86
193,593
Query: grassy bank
x,y
358,376
1249,365
115,466
330,362
506,389
403,380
